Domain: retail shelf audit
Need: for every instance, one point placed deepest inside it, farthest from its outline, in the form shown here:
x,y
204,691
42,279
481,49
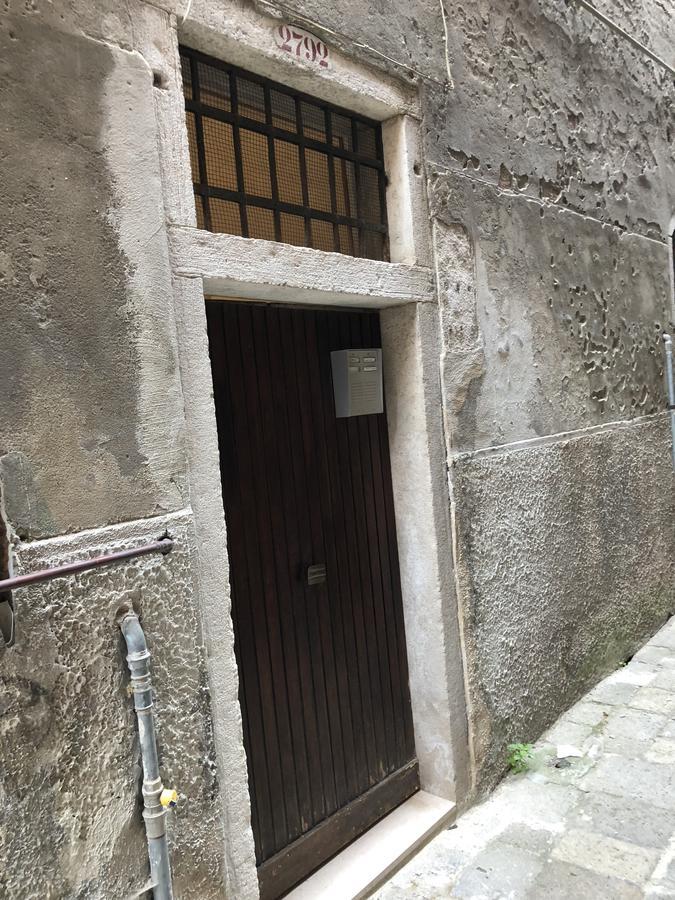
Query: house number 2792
x,y
302,45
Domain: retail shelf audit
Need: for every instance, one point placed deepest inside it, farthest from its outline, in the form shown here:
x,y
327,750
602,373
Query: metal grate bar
x,y
277,164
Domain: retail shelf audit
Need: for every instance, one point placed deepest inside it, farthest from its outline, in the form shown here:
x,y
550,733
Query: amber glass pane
x,y
283,111
250,100
322,235
260,223
221,170
292,229
287,159
199,208
214,87
225,216
369,191
318,185
366,142
345,186
255,163
342,131
313,121
187,77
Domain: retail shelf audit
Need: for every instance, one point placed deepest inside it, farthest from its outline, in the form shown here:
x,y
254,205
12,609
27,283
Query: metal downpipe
x,y
670,387
154,812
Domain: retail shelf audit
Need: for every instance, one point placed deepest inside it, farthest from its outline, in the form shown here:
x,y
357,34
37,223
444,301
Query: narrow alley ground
x,y
599,825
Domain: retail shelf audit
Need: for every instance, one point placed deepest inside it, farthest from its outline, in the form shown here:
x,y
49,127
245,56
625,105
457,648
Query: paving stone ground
x,y
598,826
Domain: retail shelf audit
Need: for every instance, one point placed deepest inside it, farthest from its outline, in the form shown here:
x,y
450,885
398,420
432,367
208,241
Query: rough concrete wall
x,y
70,772
550,178
92,434
567,554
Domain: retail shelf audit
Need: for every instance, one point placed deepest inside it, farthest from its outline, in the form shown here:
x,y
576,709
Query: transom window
x,y
272,163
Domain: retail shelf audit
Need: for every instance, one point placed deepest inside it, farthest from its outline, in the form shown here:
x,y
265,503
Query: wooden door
x,y
323,669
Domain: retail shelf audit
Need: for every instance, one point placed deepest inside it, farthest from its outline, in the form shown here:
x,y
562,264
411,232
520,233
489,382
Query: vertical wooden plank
x,y
251,359
386,537
253,655
329,612
362,463
302,712
369,576
353,666
357,523
270,432
265,646
316,596
343,621
302,481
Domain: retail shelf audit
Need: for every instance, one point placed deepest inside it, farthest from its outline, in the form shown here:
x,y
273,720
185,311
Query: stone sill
x,y
247,268
373,858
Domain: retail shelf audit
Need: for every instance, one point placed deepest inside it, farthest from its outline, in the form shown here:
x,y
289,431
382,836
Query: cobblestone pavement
x,y
595,826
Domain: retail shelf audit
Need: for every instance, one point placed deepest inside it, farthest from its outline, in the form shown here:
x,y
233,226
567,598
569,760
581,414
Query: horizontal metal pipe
x,y
9,584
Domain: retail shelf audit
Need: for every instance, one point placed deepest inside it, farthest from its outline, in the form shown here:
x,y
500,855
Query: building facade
x,y
488,200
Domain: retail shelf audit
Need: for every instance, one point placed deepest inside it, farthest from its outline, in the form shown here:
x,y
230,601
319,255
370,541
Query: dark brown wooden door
x,y
324,678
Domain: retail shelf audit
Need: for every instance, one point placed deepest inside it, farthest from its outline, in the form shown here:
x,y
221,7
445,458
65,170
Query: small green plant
x,y
519,756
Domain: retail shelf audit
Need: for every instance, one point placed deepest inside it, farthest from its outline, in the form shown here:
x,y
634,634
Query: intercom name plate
x,y
357,382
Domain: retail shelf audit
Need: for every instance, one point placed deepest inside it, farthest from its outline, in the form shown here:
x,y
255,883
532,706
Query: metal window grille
x,y
272,163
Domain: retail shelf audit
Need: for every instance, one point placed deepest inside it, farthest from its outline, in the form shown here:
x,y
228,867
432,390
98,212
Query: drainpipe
x,y
155,798
670,386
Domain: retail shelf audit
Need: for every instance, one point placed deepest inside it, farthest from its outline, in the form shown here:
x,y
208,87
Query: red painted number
x,y
302,45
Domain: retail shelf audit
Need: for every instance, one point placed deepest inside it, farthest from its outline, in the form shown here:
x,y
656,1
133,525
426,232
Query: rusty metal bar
x,y
164,545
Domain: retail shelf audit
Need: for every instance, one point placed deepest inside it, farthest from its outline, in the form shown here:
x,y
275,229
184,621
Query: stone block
x,y
589,713
624,819
566,731
654,699
634,724
92,427
501,870
562,881
662,751
639,779
665,637
665,680
606,856
613,693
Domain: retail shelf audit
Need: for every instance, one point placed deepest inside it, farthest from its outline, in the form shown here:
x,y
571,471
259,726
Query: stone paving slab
x,y
597,826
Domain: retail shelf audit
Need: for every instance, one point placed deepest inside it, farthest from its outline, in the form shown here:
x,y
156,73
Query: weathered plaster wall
x,y
70,770
551,184
567,556
93,457
89,431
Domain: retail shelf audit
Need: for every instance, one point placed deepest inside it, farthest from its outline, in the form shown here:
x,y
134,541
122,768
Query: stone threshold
x,y
372,859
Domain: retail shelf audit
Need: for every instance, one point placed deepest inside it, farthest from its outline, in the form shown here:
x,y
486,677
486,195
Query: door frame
x,y
404,291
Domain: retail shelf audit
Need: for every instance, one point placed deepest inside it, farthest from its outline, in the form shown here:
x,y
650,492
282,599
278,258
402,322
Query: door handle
x,y
316,574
